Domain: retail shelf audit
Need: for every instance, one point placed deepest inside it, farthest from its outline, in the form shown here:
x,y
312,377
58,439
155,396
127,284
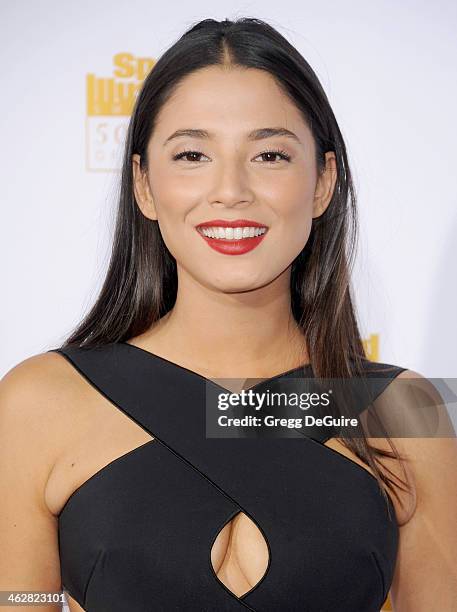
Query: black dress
x,y
137,535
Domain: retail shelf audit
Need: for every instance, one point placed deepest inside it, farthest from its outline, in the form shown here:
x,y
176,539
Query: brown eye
x,y
191,154
272,154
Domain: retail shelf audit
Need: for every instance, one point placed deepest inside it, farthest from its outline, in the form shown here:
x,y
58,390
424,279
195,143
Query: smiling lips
x,y
232,237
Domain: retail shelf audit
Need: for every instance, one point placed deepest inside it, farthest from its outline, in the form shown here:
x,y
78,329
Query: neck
x,y
252,333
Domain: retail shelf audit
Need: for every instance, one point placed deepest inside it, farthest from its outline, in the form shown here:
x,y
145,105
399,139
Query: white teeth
x,y
232,233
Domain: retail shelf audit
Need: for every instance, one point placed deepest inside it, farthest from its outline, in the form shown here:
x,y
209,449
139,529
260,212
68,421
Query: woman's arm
x,y
29,559
426,571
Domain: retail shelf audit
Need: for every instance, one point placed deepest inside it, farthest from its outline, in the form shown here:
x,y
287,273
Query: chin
x,y
238,285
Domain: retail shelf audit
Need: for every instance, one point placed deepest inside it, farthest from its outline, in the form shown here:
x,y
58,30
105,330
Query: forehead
x,y
230,101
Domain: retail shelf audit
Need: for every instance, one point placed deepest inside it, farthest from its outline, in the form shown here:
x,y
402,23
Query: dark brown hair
x,y
141,281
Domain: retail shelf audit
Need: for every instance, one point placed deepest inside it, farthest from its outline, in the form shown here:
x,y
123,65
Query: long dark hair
x,y
141,282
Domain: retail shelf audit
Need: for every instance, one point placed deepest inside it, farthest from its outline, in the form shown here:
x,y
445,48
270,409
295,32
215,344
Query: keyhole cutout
x,y
240,555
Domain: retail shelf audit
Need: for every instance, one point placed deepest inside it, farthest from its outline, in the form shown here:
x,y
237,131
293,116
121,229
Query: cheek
x,y
293,209
291,234
174,201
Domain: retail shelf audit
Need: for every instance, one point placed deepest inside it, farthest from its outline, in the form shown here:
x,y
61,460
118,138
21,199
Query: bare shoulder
x,y
410,374
42,371
35,401
430,438
34,418
423,410
412,415
426,562
421,429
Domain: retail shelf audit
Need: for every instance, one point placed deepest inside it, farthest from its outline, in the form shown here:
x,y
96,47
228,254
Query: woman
x,y
231,258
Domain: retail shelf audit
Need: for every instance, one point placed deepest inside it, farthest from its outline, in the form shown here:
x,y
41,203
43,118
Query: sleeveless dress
x,y
137,535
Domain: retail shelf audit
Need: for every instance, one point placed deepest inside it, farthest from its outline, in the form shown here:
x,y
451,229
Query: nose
x,y
231,187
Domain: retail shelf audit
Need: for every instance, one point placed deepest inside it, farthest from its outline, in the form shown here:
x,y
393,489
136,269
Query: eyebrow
x,y
258,134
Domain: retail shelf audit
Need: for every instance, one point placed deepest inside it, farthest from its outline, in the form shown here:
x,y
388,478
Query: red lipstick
x,y
232,246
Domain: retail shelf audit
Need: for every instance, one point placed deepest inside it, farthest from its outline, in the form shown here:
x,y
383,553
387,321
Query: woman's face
x,y
236,168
